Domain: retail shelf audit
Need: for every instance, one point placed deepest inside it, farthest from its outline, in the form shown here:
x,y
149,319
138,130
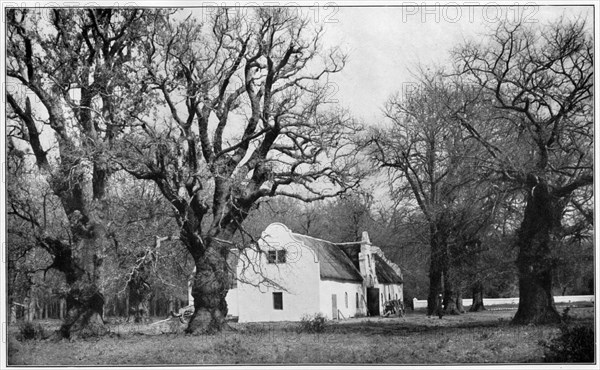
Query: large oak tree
x,y
71,82
246,118
539,83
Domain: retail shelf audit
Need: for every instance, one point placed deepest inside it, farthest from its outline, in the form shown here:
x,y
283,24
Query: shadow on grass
x,y
407,328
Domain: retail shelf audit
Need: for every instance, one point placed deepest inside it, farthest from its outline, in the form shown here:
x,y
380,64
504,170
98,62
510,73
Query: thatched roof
x,y
334,263
385,272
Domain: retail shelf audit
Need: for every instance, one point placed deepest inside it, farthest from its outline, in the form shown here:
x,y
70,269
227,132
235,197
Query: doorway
x,y
373,301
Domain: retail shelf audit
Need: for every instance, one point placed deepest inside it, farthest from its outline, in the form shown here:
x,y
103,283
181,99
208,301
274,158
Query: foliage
x,y
574,344
315,323
28,331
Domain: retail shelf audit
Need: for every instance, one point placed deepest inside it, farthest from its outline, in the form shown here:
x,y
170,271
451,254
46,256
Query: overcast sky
x,y
385,43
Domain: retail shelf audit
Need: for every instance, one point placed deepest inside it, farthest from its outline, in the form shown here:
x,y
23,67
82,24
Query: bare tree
x,y
248,119
429,157
67,89
539,82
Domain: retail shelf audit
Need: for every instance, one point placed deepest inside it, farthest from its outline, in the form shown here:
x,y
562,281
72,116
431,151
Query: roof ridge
x,y
323,240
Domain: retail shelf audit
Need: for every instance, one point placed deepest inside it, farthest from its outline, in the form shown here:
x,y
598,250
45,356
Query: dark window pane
x,y
281,256
271,256
278,301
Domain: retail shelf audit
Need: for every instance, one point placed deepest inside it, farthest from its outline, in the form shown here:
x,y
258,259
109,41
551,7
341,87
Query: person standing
x,y
439,304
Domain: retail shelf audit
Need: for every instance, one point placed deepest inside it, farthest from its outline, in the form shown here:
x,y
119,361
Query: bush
x,y
313,323
566,318
574,344
28,331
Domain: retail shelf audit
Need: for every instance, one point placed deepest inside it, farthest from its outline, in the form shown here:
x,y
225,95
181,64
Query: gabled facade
x,y
288,275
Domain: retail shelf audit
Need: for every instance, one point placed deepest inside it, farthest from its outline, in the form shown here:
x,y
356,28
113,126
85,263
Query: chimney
x,y
366,260
365,243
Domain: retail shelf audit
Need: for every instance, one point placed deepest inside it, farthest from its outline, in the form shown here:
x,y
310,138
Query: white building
x,y
288,275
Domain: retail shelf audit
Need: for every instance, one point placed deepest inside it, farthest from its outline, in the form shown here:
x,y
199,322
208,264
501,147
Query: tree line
x,y
152,144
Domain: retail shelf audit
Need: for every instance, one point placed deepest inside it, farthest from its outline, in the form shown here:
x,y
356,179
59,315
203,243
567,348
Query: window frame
x,y
276,256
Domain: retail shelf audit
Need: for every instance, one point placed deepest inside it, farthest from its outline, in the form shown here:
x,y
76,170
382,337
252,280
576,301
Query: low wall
x,y
422,303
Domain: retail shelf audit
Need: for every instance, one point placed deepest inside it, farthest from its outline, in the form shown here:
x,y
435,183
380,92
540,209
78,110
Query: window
x,y
276,256
278,301
381,297
357,300
396,296
346,299
281,256
389,297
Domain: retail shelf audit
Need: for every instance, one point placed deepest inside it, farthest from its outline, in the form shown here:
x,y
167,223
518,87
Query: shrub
x,y
40,333
27,330
313,323
566,318
574,344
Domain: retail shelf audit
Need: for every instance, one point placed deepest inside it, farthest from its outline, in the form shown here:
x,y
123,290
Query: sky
x,y
386,43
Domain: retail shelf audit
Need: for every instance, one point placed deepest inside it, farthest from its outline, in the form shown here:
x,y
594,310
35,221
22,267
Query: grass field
x,y
484,337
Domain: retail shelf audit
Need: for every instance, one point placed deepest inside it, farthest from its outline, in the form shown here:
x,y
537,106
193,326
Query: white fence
x,y
422,303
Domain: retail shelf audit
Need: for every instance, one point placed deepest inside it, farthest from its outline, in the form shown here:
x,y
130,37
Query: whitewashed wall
x,y
340,289
389,291
232,302
299,275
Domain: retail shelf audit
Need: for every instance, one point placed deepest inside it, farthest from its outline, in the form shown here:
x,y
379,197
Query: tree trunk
x,y
436,270
29,309
13,314
450,295
538,233
127,309
84,301
477,292
62,308
139,296
171,304
450,301
209,289
435,288
85,306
